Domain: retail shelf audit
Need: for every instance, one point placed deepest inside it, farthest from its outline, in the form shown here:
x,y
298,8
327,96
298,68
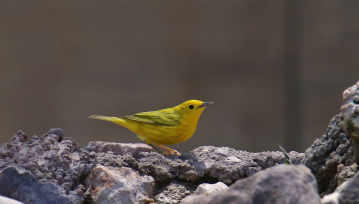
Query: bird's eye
x,y
190,107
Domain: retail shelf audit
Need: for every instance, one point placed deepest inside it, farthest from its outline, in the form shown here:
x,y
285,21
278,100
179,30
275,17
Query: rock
x,y
206,164
173,193
124,172
345,193
326,153
176,191
350,117
119,185
344,173
24,186
207,188
330,198
332,158
57,133
52,158
228,165
5,200
280,184
350,111
118,148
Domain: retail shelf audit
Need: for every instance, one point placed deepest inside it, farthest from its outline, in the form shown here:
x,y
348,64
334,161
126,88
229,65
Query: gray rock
x,y
52,158
280,184
327,153
5,200
109,185
350,111
23,186
228,197
207,188
344,173
345,193
57,163
228,165
118,148
349,191
330,198
206,164
332,158
173,193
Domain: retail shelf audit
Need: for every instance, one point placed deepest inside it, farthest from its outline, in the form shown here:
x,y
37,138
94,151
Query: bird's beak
x,y
204,104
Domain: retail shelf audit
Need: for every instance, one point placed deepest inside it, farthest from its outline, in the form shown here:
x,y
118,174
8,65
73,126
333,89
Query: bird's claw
x,y
172,151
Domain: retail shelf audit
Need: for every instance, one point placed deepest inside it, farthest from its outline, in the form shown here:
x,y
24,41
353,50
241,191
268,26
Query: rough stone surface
x,y
54,163
207,188
119,185
281,184
24,186
52,158
350,111
345,193
324,156
206,164
344,173
53,169
173,193
6,200
204,189
118,148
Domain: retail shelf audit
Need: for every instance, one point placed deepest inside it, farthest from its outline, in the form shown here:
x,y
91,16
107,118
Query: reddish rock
x,y
119,185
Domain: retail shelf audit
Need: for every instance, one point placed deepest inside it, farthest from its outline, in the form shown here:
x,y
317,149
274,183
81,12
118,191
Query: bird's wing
x,y
156,118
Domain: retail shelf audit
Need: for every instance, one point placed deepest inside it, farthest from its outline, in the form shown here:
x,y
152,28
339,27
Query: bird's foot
x,y
169,151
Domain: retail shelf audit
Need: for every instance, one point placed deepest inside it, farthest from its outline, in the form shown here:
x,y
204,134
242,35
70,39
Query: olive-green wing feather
x,y
156,118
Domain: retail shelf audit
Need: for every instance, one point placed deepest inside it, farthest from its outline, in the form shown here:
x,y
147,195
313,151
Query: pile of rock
x,y
54,169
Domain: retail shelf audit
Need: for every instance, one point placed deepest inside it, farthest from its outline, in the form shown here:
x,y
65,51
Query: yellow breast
x,y
159,134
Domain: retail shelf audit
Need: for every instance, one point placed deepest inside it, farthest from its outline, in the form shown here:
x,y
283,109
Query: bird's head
x,y
193,108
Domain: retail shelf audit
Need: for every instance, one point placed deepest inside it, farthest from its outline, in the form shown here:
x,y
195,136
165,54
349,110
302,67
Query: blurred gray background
x,y
275,69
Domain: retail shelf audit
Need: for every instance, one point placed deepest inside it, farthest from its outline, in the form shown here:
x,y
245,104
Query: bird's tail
x,y
116,120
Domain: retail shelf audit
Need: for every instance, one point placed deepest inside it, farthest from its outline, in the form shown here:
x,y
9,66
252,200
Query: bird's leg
x,y
155,148
169,150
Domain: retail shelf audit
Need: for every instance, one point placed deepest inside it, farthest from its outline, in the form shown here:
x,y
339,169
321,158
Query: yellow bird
x,y
163,127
